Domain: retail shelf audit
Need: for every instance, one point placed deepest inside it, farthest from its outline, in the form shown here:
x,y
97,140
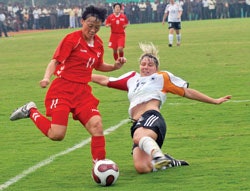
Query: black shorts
x,y
151,120
174,25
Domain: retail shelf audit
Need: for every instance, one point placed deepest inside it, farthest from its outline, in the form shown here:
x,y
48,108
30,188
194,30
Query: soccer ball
x,y
105,172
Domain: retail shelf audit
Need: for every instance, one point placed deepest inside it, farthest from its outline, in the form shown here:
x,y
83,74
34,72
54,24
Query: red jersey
x,y
76,58
117,23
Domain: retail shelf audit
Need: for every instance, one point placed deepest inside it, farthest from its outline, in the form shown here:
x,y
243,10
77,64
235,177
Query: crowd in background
x,y
19,17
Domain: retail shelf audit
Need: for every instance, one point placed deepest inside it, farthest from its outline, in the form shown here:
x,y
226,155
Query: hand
x,y
223,99
44,83
119,62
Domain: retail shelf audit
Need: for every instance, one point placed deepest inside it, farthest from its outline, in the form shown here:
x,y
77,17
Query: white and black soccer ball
x,y
105,172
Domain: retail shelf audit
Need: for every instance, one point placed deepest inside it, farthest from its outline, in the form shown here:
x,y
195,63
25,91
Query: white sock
x,y
170,38
149,145
178,38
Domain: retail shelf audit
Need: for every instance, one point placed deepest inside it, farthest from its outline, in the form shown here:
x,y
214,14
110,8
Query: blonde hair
x,y
149,50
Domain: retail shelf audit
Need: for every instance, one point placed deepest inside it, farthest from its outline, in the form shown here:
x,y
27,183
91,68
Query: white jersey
x,y
142,89
173,11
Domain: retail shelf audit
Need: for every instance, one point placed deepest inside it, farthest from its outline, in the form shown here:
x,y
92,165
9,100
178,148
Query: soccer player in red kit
x,y
73,61
117,21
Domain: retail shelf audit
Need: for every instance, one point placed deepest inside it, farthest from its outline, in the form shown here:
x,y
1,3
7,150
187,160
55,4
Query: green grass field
x,y
214,58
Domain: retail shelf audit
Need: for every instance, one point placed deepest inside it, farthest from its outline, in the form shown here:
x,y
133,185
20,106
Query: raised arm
x,y
196,95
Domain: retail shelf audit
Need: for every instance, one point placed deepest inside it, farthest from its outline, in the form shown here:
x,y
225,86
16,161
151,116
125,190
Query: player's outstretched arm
x,y
100,79
105,67
196,95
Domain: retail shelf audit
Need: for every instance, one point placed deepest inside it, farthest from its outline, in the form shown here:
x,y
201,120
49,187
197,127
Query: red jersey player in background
x,y
72,63
117,21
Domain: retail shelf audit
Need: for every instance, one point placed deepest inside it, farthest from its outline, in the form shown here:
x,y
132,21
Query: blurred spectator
x,y
154,9
78,16
205,9
36,14
142,13
60,19
3,28
241,8
211,9
247,8
44,20
25,15
72,17
148,12
53,18
225,9
135,13
66,11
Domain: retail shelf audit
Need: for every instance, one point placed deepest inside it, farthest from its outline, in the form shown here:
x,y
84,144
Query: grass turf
x,y
214,58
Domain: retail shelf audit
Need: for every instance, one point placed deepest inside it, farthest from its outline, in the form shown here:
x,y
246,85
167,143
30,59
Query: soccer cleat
x,y
22,112
178,44
175,162
170,45
160,162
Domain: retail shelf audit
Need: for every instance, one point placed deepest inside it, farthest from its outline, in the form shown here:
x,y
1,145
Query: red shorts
x,y
66,96
116,40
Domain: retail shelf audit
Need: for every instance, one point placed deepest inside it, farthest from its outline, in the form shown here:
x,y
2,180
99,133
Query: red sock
x,y
98,148
42,123
121,54
115,55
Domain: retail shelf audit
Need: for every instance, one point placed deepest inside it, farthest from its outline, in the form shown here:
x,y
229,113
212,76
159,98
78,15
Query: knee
x,y
120,49
143,168
136,140
57,133
56,137
97,126
94,126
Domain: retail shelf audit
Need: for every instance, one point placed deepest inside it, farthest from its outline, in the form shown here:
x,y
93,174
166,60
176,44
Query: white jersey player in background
x,y
173,11
147,92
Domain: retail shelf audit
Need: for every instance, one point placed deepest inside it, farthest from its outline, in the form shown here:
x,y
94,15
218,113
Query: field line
x,y
53,157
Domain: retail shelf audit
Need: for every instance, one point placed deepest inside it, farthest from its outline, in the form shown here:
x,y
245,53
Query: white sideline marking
x,y
238,101
53,157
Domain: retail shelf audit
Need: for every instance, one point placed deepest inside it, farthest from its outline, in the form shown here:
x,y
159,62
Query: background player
x,y
117,21
173,11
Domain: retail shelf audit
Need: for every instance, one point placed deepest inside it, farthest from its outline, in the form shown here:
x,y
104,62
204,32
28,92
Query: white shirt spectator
x,y
2,17
36,13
